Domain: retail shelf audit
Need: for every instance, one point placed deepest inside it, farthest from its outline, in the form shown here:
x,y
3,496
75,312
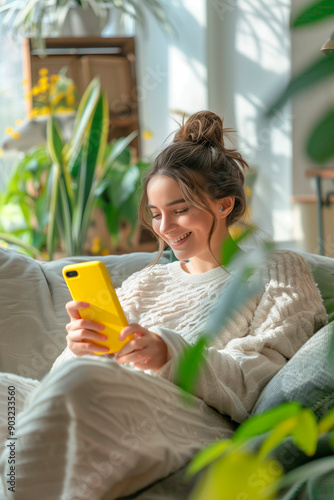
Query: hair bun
x,y
204,127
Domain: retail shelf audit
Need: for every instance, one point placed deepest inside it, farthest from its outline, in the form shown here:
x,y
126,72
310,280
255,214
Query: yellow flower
x,y
4,244
4,91
43,81
43,71
1,152
54,78
33,113
147,135
9,130
70,100
105,252
96,245
16,135
248,191
24,82
45,110
18,122
35,91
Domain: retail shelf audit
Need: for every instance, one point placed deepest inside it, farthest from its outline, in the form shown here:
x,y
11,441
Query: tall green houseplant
x,y
56,188
80,170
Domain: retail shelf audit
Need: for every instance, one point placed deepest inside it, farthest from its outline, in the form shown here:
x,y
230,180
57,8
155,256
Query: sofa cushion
x,y
308,377
323,274
33,295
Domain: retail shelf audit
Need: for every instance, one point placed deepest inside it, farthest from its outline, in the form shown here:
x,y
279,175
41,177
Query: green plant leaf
x,y
128,184
16,241
92,155
303,429
53,187
317,11
326,423
230,246
305,432
277,436
316,72
267,421
207,455
189,363
55,141
119,146
113,222
320,145
305,472
239,475
83,119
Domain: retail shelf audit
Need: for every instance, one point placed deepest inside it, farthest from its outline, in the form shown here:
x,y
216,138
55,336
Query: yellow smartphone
x,y
90,282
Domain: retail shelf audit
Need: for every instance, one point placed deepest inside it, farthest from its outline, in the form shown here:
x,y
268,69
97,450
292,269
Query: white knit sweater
x,y
252,347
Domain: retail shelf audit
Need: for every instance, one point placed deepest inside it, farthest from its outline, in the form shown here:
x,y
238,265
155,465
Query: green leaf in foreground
x,y
326,423
320,146
230,246
208,455
315,468
315,12
238,476
188,366
318,70
259,424
303,429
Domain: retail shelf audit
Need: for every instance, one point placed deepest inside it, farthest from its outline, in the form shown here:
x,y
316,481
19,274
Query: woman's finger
x,y
81,348
73,306
139,356
84,324
131,329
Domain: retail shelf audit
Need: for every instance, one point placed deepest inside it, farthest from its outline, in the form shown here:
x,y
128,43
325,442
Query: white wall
x,y
171,71
248,56
231,57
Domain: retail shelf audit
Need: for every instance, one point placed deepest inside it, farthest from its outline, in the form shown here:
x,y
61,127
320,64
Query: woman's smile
x,y
178,241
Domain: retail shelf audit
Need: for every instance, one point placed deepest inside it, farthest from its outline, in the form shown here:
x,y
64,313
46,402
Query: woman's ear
x,y
226,206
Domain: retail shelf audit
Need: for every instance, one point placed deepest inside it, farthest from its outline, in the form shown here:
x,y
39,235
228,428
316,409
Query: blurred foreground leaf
x,y
206,456
259,424
313,13
320,146
230,246
316,72
238,476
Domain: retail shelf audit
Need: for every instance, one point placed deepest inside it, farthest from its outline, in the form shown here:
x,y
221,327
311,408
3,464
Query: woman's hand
x,y
147,351
80,332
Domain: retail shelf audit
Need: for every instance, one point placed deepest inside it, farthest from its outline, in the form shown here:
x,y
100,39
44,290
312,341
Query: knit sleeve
x,y
285,316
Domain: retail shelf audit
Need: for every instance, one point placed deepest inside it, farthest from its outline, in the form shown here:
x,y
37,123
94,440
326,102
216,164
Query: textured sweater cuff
x,y
175,343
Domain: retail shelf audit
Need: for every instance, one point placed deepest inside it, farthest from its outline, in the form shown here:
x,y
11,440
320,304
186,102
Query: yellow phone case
x,y
90,282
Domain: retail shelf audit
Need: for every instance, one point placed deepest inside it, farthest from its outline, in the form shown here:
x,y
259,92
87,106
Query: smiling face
x,y
186,228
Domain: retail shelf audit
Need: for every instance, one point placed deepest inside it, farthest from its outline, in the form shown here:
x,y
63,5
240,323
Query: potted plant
x,y
58,186
39,19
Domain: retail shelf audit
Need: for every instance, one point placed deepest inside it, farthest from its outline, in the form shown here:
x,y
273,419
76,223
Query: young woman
x,y
101,427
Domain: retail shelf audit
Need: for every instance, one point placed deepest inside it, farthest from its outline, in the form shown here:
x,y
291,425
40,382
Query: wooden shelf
x,y
113,60
325,173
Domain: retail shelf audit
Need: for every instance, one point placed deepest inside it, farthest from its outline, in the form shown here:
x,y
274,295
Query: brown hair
x,y
202,166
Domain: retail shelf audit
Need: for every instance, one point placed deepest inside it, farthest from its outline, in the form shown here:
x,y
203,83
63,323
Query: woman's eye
x,y
182,211
154,216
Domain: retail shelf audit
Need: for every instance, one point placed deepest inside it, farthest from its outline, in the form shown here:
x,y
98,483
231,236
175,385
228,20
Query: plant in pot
x,y
71,180
40,19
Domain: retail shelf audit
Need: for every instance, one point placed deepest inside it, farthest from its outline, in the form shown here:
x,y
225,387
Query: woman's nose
x,y
167,224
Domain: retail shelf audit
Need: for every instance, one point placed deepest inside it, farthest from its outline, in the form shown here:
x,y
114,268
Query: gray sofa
x,y
32,334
